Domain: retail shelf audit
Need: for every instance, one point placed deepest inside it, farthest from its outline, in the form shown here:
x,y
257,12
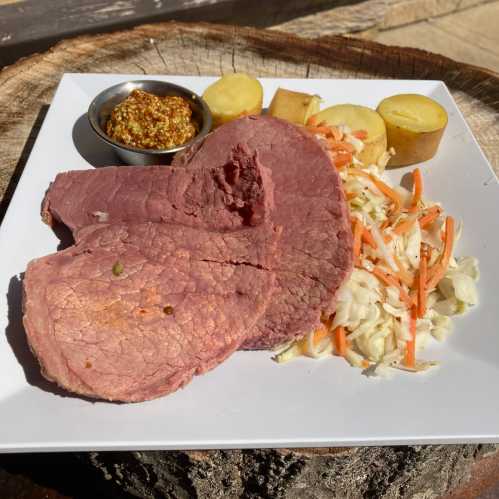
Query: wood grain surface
x,y
465,30
470,35
26,89
373,14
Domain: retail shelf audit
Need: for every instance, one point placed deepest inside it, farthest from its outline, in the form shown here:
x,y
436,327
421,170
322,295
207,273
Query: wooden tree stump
x,y
26,89
421,472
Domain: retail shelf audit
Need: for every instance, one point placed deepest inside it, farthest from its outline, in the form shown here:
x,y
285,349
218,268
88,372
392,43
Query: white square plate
x,y
250,401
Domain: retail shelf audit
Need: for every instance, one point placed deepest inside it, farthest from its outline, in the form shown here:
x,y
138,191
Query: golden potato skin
x,y
295,107
232,96
359,118
412,147
415,125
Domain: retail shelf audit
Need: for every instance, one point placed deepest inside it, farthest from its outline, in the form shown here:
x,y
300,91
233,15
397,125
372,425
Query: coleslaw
x,y
406,284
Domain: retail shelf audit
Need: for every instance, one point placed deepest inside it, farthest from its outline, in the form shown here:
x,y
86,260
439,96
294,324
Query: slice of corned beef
x,y
134,311
316,244
235,193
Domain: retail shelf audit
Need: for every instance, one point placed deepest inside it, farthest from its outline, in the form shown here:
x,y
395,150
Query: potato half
x,y
359,118
232,96
415,125
295,107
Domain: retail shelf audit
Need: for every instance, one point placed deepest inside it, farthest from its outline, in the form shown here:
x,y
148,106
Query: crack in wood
x,y
233,59
140,67
160,55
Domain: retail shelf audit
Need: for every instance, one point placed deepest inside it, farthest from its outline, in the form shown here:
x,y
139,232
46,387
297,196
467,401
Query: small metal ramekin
x,y
101,107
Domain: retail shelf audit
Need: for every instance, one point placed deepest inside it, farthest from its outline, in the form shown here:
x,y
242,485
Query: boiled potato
x,y
295,107
232,96
415,125
359,118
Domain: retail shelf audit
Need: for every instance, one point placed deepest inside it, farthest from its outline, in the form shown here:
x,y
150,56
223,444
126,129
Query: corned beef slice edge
x,y
224,196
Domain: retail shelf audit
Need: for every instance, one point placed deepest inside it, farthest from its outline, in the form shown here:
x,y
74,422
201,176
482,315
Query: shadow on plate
x,y
407,181
18,342
16,337
91,148
23,158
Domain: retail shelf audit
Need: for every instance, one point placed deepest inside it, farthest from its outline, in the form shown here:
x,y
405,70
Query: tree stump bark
x,y
26,89
422,472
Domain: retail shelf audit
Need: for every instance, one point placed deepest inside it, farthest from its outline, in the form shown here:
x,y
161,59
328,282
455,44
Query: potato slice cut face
x,y
232,96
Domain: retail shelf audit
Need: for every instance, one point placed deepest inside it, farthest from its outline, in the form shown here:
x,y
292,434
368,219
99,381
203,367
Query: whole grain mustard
x,y
147,121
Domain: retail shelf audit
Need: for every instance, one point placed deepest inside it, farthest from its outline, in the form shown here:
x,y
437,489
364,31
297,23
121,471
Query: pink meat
x,y
183,302
316,243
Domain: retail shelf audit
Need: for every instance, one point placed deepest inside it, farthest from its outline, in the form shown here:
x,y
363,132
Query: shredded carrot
x,y
319,335
431,215
336,145
368,238
384,188
422,278
404,226
327,320
365,363
390,280
437,272
342,159
366,235
350,195
340,341
418,187
358,229
360,134
323,130
401,228
410,353
335,132
312,121
385,224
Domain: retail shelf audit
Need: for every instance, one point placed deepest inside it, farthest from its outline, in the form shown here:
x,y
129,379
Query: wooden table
x,y
465,30
461,471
